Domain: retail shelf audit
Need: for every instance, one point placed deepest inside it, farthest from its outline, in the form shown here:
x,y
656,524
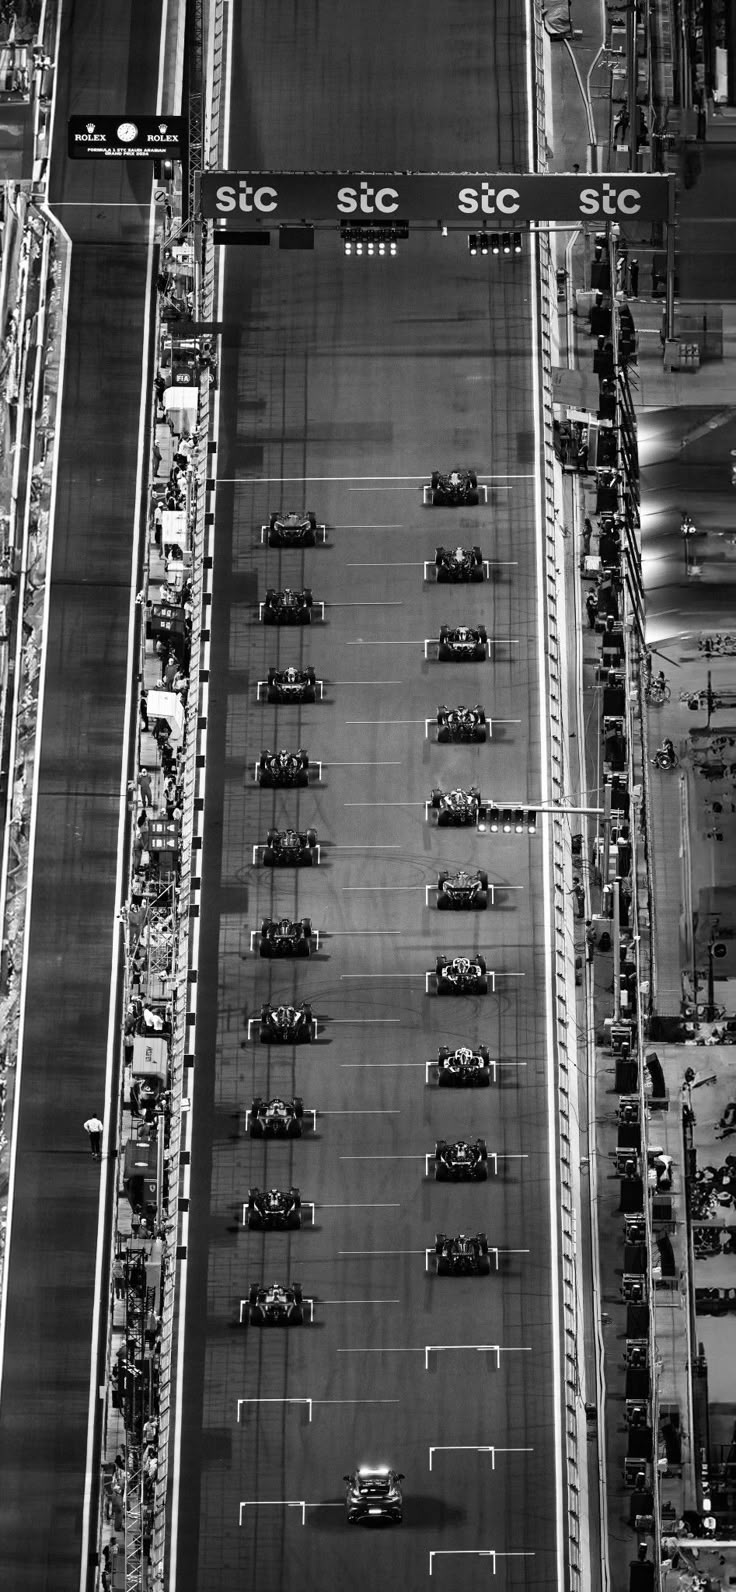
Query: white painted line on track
x,y
362,683
389,846
361,1205
354,1065
395,721
365,1111
393,643
384,804
386,563
384,526
380,1251
367,602
475,1448
478,1553
370,762
338,934
397,888
357,1302
344,976
343,1020
388,1158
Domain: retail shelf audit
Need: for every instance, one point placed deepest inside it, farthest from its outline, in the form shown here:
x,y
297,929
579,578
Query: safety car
x,y
373,1493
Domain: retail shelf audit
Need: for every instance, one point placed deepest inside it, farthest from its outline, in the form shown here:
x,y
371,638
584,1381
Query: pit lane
x,y
336,381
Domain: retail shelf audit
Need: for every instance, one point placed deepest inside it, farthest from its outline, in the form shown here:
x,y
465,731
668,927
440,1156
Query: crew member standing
x,y
95,1129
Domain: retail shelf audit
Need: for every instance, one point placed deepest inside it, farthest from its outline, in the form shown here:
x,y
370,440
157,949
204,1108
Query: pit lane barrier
x,y
262,692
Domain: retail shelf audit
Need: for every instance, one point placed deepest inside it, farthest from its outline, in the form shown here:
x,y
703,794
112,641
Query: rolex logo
x,y
90,127
162,126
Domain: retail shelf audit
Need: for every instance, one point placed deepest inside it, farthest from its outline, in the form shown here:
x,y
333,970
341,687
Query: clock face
x,y
127,131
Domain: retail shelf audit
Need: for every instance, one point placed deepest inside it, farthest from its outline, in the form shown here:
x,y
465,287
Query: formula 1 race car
x,y
291,685
458,564
274,1209
292,529
286,1025
276,1118
287,607
286,937
455,489
462,892
276,769
461,975
461,1162
456,806
463,643
280,1305
374,1493
462,1256
463,1067
461,723
290,848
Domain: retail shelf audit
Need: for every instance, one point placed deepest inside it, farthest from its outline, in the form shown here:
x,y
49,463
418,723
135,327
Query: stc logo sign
x,y
325,196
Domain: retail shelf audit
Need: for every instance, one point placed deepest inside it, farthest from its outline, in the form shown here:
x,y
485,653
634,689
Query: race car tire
x,y
481,963
311,837
441,1173
442,902
472,479
481,1173
481,901
484,1265
296,1319
298,1105
483,878
443,1267
444,735
435,480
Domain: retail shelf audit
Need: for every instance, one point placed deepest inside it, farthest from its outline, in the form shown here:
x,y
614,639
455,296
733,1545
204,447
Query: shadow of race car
x,y
277,1305
463,643
463,1067
461,724
458,564
462,892
290,848
453,490
456,806
274,1209
373,1494
462,1256
276,1118
287,607
286,1025
291,685
461,1162
276,769
285,937
461,975
292,529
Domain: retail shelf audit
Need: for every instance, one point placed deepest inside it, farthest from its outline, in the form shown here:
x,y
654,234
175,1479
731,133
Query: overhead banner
x,y
126,137
279,196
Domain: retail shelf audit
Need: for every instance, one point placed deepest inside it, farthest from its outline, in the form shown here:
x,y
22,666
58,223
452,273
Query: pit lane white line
x,y
387,975
363,1111
360,1205
371,762
356,1064
402,721
394,643
387,563
395,887
388,846
380,1252
357,1302
384,804
334,1020
384,526
388,1158
361,683
336,934
367,602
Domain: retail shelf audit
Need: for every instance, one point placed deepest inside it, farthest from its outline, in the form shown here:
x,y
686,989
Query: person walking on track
x,y
95,1129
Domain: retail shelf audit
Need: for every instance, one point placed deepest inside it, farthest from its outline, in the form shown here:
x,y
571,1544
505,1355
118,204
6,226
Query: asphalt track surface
x,y
342,384
51,1277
